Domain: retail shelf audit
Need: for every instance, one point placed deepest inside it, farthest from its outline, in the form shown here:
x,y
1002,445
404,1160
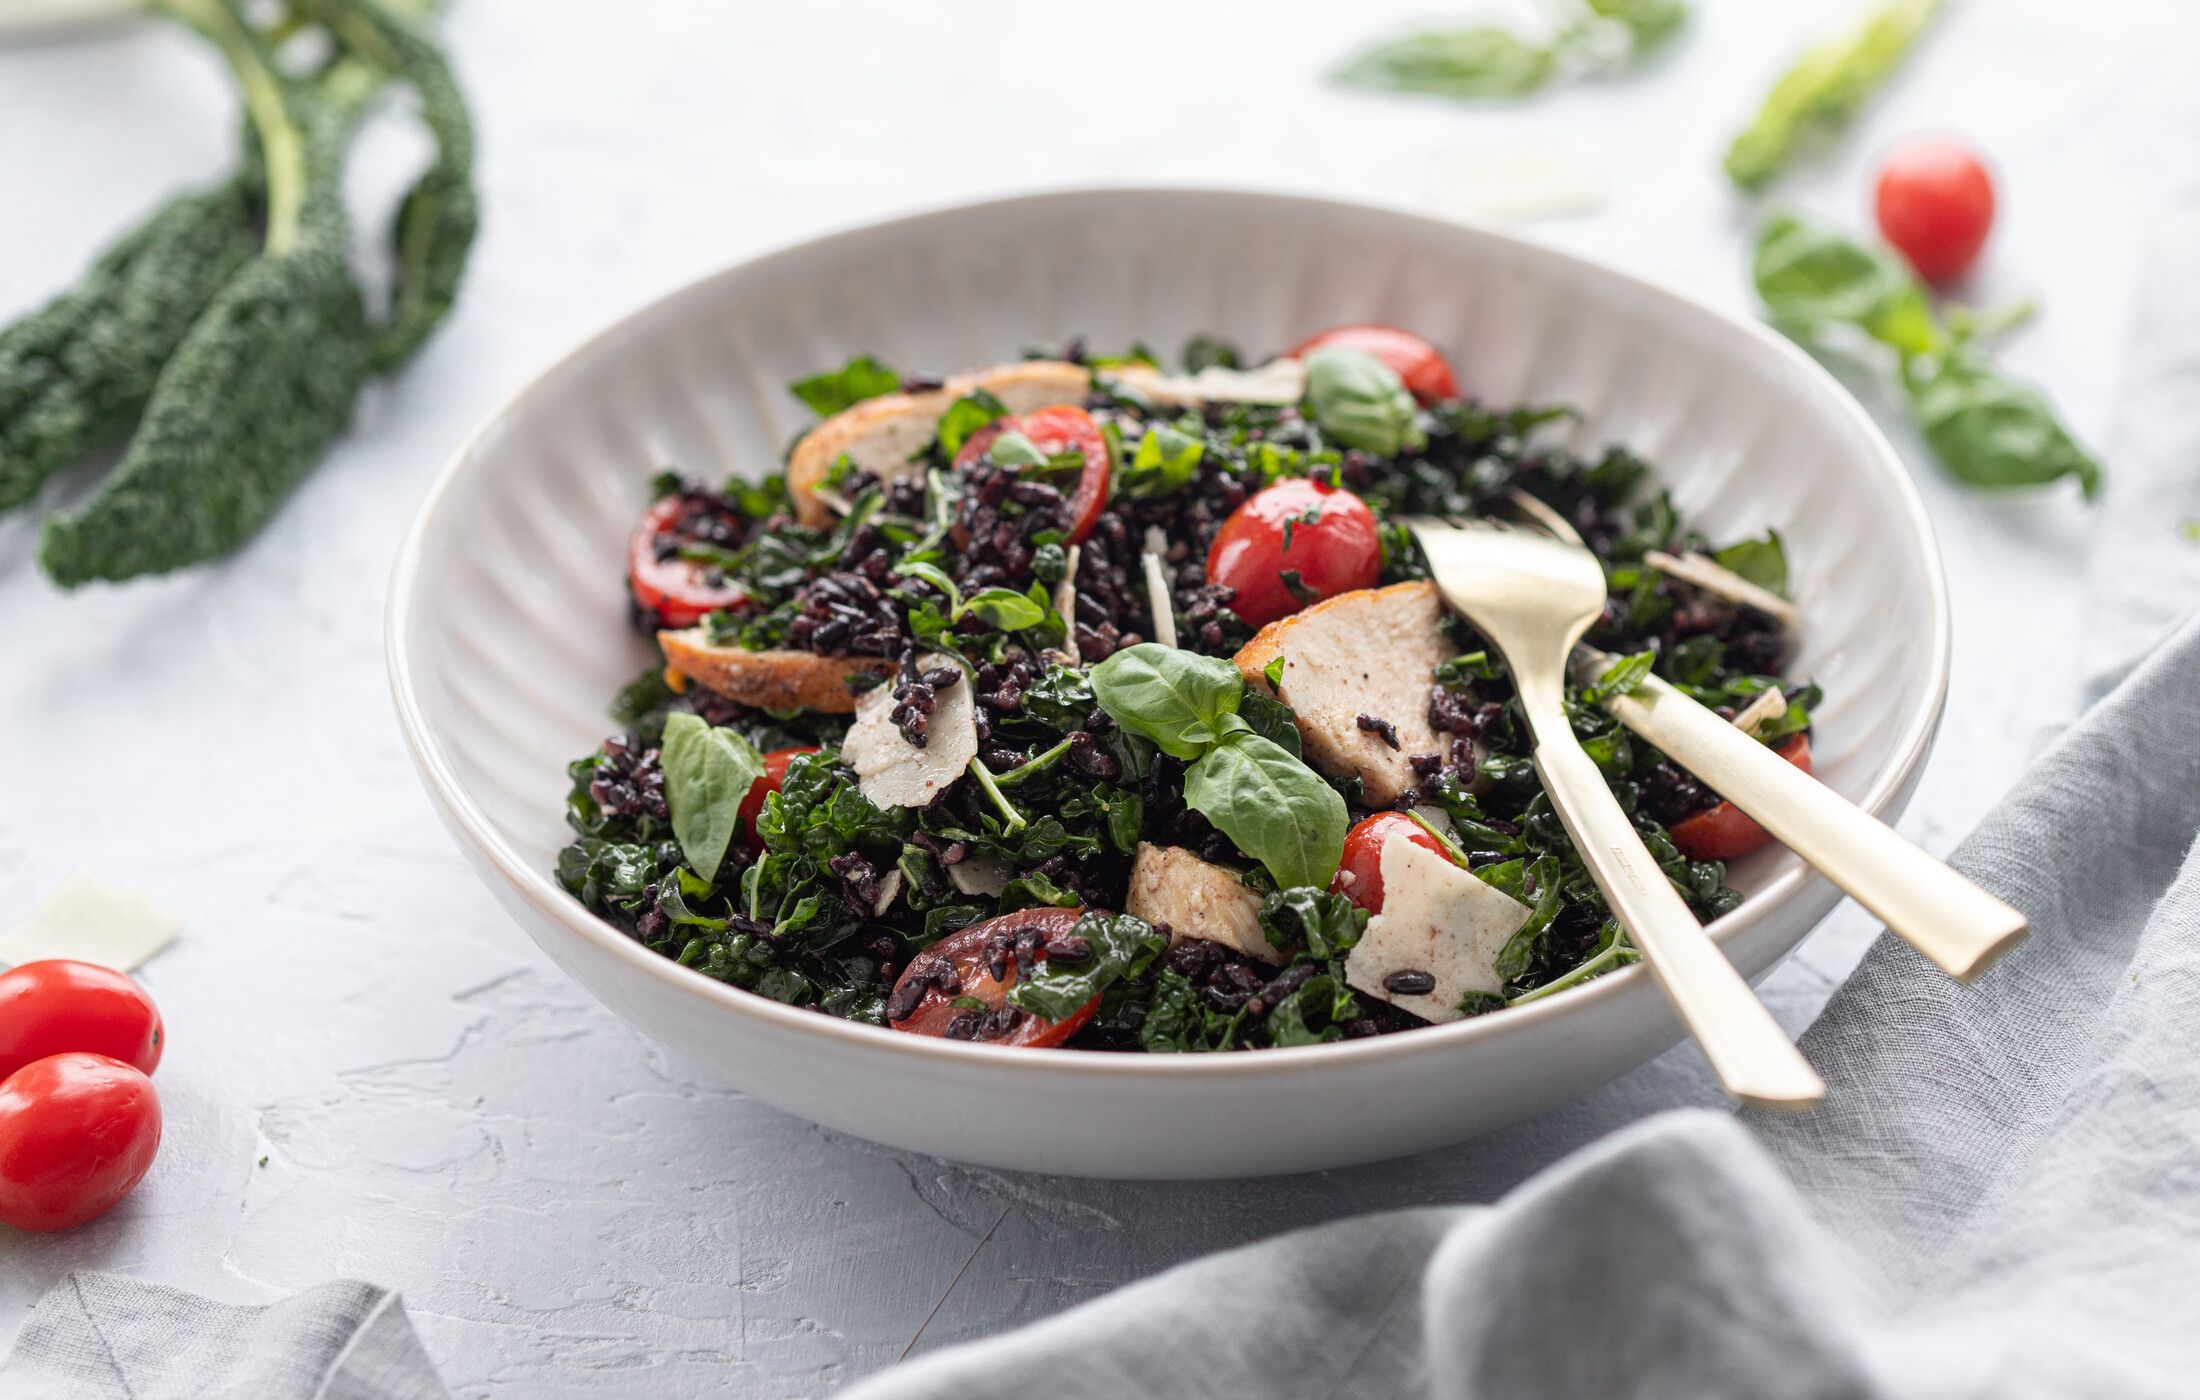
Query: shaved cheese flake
x,y
1769,706
891,771
1524,178
833,500
980,874
87,921
1713,577
889,890
1439,919
1065,603
1277,382
1157,598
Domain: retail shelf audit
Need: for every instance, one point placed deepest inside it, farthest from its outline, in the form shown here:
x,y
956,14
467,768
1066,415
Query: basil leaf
x,y
1763,562
1816,97
708,771
1004,609
1271,806
859,379
1811,276
965,416
1360,402
1178,699
1646,21
1468,62
1991,430
1123,945
1166,461
1622,677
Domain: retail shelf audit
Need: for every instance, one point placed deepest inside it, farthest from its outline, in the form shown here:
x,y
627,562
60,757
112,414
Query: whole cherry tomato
x,y
1726,832
49,1007
1422,366
978,965
1359,876
77,1132
1054,431
669,588
752,806
1935,204
1324,534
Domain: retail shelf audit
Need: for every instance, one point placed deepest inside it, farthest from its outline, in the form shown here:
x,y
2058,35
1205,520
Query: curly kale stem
x,y
984,775
282,143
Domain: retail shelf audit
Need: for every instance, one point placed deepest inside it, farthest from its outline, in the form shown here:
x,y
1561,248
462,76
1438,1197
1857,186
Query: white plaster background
x,y
567,1211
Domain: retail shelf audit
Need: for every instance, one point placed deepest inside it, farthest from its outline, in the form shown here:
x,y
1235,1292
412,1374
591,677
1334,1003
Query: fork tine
x,y
1550,521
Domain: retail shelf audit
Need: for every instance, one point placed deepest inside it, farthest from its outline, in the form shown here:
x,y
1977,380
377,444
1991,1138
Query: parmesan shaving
x,y
1157,598
1439,920
891,771
1713,577
87,921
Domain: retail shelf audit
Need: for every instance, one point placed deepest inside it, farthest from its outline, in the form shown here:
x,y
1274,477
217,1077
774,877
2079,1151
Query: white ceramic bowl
x,y
507,626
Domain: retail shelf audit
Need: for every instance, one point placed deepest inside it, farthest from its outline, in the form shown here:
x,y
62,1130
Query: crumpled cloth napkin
x,y
105,1337
1999,1199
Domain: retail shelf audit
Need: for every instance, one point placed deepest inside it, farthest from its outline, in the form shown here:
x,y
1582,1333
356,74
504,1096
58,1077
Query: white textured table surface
x,y
566,1211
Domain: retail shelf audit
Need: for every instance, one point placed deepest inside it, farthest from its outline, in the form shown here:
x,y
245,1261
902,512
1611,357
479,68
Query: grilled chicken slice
x,y
1370,652
882,434
769,680
1170,885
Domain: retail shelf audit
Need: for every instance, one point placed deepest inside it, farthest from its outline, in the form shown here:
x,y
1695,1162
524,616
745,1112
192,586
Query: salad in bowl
x,y
1091,703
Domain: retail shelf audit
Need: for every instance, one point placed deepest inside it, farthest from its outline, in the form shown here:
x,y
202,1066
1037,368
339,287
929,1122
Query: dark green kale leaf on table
x,y
226,338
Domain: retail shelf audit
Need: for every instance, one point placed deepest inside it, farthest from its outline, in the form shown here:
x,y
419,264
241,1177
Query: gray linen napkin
x,y
104,1337
2000,1198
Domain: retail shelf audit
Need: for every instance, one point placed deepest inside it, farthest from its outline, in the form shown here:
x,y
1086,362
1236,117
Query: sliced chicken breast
x,y
769,680
1170,885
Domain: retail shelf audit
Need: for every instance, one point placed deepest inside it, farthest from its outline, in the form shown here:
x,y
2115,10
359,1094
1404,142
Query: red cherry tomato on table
x,y
1333,546
752,806
961,968
677,592
1726,832
1935,204
77,1132
57,1005
1054,431
1422,366
1359,876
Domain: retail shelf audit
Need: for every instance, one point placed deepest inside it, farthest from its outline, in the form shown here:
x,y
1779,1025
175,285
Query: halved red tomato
x,y
957,989
1061,428
1359,876
1427,374
1726,832
674,589
1323,534
752,806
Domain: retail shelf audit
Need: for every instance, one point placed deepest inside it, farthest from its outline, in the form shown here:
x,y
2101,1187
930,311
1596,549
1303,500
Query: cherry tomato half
x,y
979,964
1062,428
1359,876
1935,204
674,591
1726,832
49,1007
1427,374
77,1132
1333,546
752,806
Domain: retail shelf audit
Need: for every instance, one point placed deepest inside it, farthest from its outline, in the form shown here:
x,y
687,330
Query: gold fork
x,y
1532,597
1957,925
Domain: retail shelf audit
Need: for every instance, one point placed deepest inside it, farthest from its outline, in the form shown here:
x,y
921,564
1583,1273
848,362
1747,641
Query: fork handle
x,y
1751,1055
1959,926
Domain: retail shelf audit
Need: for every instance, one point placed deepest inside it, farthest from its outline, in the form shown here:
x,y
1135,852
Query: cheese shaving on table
x,y
1524,178
1713,577
88,921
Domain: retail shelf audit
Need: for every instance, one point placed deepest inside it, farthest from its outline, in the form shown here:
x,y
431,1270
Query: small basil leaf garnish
x,y
708,771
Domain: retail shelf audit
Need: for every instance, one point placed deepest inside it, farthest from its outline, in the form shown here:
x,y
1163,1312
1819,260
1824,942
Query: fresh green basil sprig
x,y
1361,402
1256,792
1467,62
1986,428
708,773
